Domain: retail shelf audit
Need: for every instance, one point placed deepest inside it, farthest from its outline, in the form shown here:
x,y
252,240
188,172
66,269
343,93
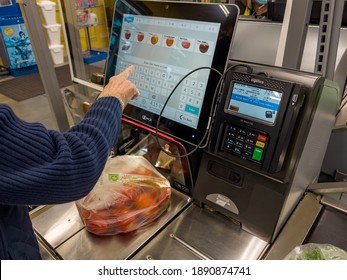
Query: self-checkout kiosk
x,y
260,132
270,127
269,130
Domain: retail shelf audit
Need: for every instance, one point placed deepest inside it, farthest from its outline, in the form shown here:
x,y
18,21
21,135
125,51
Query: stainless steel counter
x,y
317,219
60,229
185,231
199,233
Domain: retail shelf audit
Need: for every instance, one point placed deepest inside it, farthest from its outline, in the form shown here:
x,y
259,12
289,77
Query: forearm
x,y
38,166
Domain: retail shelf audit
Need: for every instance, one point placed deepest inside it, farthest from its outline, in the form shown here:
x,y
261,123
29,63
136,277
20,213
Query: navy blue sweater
x,y
40,166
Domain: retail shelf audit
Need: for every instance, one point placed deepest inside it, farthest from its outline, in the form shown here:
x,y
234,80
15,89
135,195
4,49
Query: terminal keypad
x,y
245,143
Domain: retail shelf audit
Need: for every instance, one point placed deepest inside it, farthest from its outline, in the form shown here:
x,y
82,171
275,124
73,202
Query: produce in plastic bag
x,y
130,194
313,251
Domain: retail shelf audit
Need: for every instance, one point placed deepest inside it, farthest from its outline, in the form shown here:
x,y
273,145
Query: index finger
x,y
128,71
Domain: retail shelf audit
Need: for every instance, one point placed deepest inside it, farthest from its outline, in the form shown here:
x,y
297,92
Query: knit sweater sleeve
x,y
40,166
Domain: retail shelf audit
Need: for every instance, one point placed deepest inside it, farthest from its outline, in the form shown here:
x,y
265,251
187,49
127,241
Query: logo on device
x,y
257,81
145,118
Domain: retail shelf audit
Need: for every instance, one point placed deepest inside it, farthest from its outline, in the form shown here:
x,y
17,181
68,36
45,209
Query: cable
x,y
208,130
264,74
342,98
248,68
210,118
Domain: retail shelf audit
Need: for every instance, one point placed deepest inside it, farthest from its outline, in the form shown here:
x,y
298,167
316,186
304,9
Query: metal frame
x,y
300,223
293,33
44,61
296,229
79,70
74,38
328,38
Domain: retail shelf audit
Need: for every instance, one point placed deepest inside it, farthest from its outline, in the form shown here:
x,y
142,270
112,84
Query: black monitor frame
x,y
226,15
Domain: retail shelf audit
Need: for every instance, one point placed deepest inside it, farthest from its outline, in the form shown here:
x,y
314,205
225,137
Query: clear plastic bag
x,y
313,251
130,194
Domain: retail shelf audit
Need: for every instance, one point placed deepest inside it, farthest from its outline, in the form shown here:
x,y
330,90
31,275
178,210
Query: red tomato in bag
x,y
131,192
122,219
144,200
97,224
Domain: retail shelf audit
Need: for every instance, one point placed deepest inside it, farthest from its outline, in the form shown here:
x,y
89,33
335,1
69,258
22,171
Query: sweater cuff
x,y
119,100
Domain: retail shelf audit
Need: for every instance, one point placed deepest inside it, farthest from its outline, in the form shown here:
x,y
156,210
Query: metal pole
x,y
293,33
328,38
75,40
44,60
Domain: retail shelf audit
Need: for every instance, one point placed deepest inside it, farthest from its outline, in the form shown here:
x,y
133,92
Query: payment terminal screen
x,y
254,102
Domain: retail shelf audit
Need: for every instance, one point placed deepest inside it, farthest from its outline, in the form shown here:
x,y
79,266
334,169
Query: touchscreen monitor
x,y
254,102
165,41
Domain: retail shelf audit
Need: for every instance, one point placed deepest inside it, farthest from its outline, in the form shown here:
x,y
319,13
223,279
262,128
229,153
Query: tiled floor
x,y
36,109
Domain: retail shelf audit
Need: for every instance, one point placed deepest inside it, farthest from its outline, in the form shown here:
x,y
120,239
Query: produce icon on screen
x,y
234,108
140,36
127,34
186,44
169,41
154,39
203,47
125,47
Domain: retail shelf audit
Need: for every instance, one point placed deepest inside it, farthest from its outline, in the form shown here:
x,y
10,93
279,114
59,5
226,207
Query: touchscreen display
x,y
165,41
163,51
254,102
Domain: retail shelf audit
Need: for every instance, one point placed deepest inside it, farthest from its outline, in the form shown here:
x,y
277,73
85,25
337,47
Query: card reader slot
x,y
292,112
225,173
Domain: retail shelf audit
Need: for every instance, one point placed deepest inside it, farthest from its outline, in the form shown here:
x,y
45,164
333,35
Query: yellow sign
x,y
9,31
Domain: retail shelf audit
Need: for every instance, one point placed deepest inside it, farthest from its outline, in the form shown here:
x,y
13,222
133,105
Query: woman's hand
x,y
120,87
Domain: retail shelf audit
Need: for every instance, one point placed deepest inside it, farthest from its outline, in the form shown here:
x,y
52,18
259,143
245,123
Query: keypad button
x,y
250,141
228,146
248,147
261,138
244,143
239,144
251,134
257,154
246,154
260,144
194,83
231,134
229,140
237,150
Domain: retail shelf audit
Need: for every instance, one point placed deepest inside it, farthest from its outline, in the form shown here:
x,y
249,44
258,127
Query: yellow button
x,y
260,144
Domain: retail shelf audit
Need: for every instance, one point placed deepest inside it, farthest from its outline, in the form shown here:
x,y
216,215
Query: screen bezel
x,y
244,116
178,10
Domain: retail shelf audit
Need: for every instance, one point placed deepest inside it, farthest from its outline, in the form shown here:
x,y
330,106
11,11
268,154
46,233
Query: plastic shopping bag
x,y
130,194
313,251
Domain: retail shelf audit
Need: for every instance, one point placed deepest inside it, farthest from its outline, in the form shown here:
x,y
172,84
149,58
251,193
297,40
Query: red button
x,y
262,138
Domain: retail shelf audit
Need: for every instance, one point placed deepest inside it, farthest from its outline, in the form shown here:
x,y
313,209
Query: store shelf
x,y
93,31
92,56
89,7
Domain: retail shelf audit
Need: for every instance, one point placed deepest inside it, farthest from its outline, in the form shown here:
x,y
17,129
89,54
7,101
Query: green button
x,y
257,154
